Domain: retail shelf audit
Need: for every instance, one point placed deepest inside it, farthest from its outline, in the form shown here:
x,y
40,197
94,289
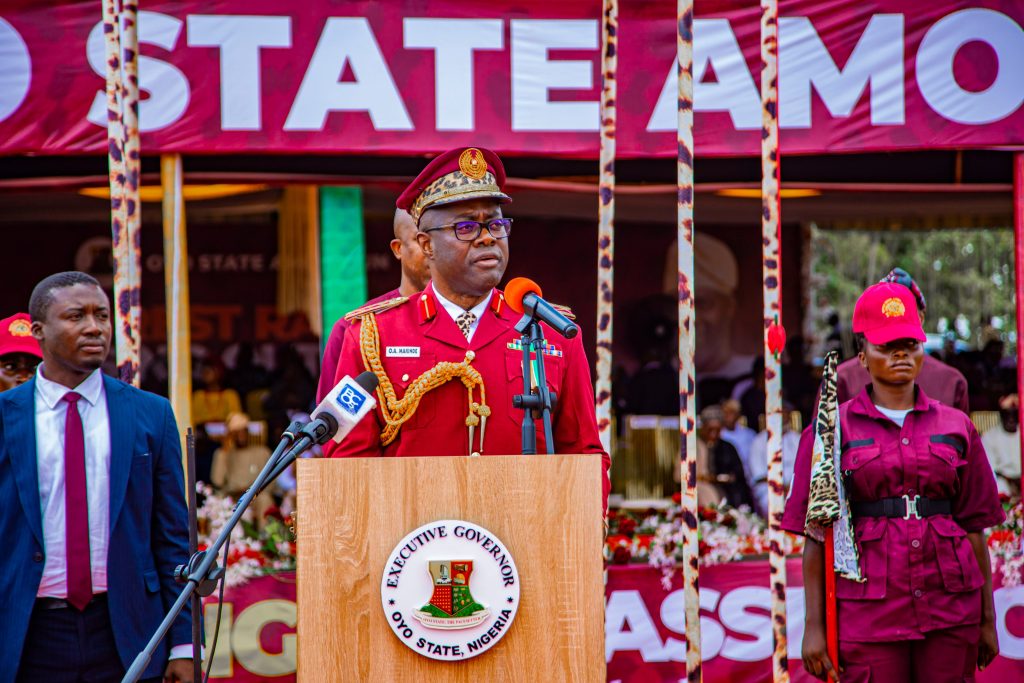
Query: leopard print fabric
x,y
456,187
827,503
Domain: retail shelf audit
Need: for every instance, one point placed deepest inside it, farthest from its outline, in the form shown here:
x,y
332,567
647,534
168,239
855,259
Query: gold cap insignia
x,y
893,308
20,328
472,163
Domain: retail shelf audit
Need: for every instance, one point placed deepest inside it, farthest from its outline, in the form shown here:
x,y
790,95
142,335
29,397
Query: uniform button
x,y
915,543
906,441
951,458
918,593
855,460
405,377
37,557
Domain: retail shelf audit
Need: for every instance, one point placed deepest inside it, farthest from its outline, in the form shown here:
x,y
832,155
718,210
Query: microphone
x,y
340,411
524,296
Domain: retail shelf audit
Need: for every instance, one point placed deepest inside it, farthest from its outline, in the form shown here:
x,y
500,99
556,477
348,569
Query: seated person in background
x,y
751,395
758,469
236,464
19,351
213,402
738,435
723,469
1002,444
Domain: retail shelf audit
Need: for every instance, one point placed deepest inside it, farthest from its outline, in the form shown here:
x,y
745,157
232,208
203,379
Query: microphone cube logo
x,y
350,400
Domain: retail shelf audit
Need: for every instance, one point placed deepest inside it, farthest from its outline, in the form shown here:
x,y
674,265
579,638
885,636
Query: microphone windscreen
x,y
517,288
368,381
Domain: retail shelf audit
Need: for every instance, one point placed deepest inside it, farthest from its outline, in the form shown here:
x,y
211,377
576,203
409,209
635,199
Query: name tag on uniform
x,y
402,352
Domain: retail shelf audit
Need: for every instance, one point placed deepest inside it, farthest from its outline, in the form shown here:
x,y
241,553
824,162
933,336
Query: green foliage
x,y
965,271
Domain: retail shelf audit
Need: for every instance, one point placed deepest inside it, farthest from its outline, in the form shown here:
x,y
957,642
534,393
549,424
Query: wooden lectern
x,y
545,508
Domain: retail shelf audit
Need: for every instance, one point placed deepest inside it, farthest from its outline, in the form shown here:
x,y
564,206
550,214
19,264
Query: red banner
x,y
643,628
407,77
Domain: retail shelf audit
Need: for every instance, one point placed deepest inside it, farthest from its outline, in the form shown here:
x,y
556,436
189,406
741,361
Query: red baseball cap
x,y
886,312
458,175
16,336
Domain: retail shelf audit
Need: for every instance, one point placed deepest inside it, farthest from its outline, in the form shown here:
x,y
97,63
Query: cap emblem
x,y
472,163
893,308
20,328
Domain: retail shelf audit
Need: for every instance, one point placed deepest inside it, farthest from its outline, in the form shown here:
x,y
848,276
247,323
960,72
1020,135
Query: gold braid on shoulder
x,y
397,411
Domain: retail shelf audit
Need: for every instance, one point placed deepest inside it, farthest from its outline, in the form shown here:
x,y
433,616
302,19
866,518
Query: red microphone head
x,y
517,288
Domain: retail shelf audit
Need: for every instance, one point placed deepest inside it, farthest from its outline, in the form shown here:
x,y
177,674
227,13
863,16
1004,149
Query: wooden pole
x,y
123,158
831,606
1018,270
772,299
606,226
687,333
179,336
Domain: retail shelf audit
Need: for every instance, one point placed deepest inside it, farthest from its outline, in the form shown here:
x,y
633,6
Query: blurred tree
x,y
965,272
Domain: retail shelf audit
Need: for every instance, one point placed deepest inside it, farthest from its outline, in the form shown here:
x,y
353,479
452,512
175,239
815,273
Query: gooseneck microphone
x,y
525,296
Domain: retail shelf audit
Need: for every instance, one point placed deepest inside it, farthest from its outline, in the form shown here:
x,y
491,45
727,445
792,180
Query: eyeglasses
x,y
468,231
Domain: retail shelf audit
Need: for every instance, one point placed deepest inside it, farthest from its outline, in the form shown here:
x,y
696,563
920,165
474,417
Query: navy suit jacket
x,y
148,523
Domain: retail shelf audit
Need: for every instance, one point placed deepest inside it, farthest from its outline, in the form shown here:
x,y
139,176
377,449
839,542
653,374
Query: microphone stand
x,y
534,399
202,573
193,547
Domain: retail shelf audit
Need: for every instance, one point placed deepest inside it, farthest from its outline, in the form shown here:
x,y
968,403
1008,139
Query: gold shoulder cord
x,y
397,411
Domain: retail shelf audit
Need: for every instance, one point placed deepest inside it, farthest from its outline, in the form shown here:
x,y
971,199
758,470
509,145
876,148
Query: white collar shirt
x,y
454,310
50,416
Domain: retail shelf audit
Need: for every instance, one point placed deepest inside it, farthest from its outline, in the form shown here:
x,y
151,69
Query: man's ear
x,y
396,248
426,244
863,359
37,331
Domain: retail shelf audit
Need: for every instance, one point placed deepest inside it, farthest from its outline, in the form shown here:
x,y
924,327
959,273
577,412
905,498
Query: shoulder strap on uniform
x,y
378,307
564,310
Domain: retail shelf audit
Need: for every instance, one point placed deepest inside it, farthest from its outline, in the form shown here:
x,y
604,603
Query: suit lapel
x,y
121,417
491,326
20,433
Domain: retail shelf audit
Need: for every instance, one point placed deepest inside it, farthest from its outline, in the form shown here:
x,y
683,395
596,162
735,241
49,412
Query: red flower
x,y
999,536
627,526
677,498
776,338
708,514
273,511
622,555
644,540
616,540
702,548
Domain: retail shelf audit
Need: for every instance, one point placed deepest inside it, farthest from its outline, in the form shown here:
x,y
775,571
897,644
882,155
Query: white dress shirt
x,y
51,413
455,310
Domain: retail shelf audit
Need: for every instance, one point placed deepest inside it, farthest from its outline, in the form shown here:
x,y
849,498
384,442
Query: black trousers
x,y
67,646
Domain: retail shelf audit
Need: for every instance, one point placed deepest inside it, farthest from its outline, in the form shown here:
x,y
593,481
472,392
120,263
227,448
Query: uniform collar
x,y
91,388
428,301
864,404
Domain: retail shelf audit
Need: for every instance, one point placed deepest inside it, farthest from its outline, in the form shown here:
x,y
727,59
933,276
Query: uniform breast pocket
x,y
404,373
862,469
941,467
553,368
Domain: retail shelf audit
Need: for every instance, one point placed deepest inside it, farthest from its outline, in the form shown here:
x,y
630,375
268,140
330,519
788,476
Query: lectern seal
x,y
450,590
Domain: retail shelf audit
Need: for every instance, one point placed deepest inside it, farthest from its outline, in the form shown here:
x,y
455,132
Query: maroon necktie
x,y
76,507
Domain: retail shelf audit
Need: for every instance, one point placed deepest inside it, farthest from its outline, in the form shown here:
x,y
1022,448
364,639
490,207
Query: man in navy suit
x,y
92,515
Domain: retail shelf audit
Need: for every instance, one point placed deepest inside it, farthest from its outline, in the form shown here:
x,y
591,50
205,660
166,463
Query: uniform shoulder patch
x,y
564,310
377,307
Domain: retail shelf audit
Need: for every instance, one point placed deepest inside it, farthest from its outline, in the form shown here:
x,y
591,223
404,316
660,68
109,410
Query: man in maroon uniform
x,y
448,359
415,276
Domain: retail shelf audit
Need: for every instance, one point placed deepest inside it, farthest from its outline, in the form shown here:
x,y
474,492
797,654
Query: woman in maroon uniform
x,y
921,494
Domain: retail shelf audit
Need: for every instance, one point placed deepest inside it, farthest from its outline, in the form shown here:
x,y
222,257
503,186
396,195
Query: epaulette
x,y
376,307
564,310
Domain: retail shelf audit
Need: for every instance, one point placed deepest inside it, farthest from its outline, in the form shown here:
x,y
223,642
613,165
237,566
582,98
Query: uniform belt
x,y
61,603
902,506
